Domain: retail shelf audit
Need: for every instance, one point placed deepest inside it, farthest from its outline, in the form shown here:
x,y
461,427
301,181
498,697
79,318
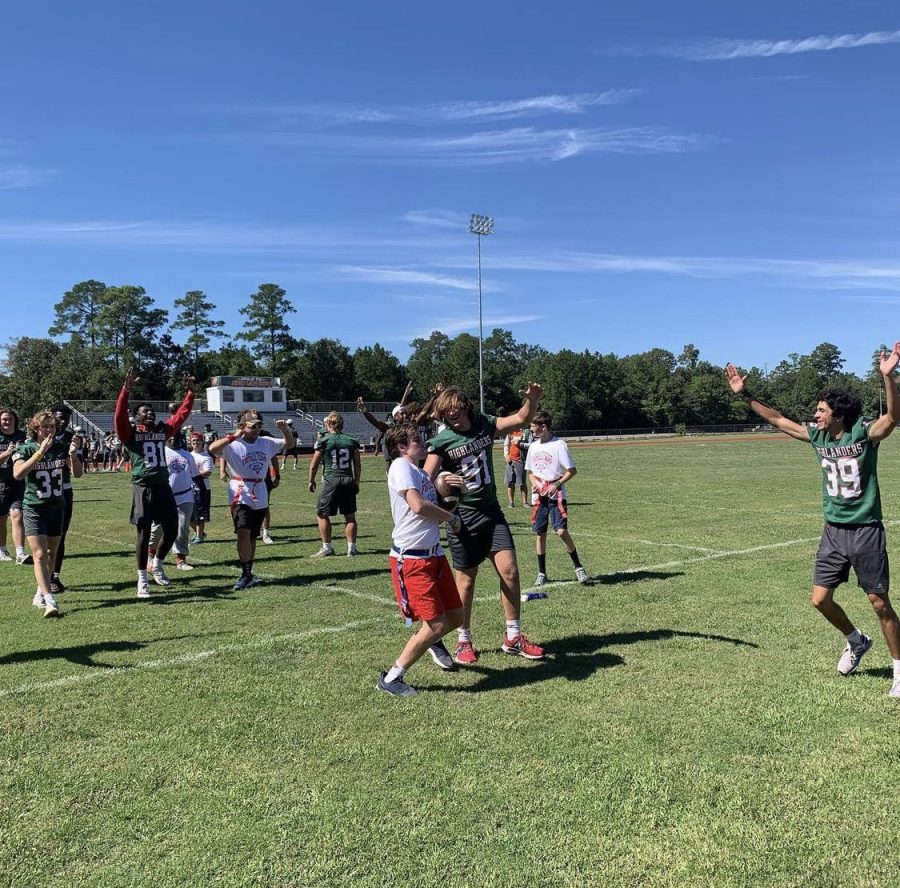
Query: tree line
x,y
99,330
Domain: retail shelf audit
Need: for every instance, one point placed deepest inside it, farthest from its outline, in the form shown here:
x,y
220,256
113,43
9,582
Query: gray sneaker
x,y
244,582
323,553
396,688
852,655
51,608
442,657
541,580
582,576
159,575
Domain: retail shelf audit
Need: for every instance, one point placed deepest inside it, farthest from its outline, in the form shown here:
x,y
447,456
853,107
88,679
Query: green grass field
x,y
688,726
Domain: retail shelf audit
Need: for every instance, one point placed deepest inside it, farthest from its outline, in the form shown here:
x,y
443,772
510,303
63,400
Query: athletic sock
x,y
351,547
854,638
20,550
465,635
542,563
512,629
142,576
574,556
896,670
327,547
394,673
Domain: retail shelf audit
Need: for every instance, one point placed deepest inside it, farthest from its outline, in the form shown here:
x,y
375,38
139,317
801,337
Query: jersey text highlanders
x,y
469,454
850,492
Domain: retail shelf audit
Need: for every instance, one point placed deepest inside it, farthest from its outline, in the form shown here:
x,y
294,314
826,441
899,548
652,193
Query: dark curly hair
x,y
843,405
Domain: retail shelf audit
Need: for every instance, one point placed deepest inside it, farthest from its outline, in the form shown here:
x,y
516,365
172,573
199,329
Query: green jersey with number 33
x,y
470,454
850,493
337,454
44,482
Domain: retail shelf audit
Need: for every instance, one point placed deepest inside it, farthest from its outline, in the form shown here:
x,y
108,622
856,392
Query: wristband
x,y
230,438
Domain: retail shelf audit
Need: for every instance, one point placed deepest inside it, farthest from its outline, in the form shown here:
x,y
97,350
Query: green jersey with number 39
x,y
470,454
337,454
44,481
850,493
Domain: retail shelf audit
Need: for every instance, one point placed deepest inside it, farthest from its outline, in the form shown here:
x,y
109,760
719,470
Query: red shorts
x,y
424,587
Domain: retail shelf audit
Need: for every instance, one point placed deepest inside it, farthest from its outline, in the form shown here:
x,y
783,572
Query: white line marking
x,y
345,591
194,657
590,533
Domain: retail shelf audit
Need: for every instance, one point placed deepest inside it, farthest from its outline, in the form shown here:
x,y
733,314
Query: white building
x,y
231,394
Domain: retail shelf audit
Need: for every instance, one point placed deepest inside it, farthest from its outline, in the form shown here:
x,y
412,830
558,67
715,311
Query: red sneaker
x,y
522,647
465,654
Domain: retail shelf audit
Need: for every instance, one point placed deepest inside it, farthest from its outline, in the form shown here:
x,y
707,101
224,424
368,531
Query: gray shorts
x,y
515,473
860,546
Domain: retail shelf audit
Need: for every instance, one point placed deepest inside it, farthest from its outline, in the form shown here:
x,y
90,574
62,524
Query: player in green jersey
x,y
41,464
846,447
463,449
338,454
152,499
62,415
11,491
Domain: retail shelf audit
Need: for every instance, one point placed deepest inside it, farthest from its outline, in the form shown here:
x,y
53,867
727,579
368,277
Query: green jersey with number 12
x,y
850,493
469,454
337,454
44,481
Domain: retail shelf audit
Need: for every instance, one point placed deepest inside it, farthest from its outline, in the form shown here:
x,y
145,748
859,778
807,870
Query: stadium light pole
x,y
480,226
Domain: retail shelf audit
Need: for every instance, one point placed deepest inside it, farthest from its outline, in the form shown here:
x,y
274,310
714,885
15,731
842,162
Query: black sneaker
x,y
57,586
442,657
396,688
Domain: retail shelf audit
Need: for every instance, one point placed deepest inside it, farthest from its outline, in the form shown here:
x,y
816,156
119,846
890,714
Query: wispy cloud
x,y
436,219
780,78
725,49
377,275
21,176
517,145
439,112
451,326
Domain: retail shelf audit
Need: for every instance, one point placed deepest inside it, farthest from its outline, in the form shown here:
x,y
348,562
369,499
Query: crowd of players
x,y
447,479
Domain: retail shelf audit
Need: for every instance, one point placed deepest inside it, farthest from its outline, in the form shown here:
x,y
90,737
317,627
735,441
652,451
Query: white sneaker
x,y
50,606
5,556
267,538
324,552
895,688
24,558
541,580
159,575
852,655
582,576
38,600
183,565
143,589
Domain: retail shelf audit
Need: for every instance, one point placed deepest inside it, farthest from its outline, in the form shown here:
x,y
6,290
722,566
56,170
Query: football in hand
x,y
449,493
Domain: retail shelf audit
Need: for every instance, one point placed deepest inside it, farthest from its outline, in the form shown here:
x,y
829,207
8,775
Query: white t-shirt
x,y
411,531
547,462
250,462
181,473
204,463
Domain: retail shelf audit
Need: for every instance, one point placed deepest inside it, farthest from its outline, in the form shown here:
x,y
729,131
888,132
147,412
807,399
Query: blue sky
x,y
726,176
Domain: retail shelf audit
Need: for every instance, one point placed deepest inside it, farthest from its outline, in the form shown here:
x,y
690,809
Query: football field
x,y
688,726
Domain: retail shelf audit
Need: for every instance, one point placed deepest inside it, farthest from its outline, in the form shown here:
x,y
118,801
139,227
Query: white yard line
x,y
264,641
615,539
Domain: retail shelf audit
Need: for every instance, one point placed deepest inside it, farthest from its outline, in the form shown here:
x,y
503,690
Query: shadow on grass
x,y
634,576
226,593
575,658
84,654
333,576
880,672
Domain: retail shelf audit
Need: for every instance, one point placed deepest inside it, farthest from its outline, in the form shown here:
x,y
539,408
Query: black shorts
x,y
153,504
860,546
245,518
11,494
336,495
482,532
68,498
43,521
202,503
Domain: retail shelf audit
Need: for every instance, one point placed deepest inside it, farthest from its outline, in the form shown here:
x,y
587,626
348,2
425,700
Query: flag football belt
x,y
542,489
242,486
416,553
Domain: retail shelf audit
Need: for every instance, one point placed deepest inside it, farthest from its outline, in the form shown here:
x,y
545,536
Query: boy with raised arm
x,y
846,446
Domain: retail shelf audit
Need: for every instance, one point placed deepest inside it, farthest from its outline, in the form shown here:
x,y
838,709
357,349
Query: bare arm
x,y
370,417
314,464
75,463
763,410
24,466
422,507
432,465
357,468
524,415
406,393
885,424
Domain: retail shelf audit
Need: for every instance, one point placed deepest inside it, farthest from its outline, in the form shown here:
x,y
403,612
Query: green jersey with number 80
x,y
44,481
850,493
470,454
337,454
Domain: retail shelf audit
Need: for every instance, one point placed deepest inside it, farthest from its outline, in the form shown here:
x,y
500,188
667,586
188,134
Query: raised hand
x,y
189,382
735,380
889,360
281,424
360,404
131,380
533,391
